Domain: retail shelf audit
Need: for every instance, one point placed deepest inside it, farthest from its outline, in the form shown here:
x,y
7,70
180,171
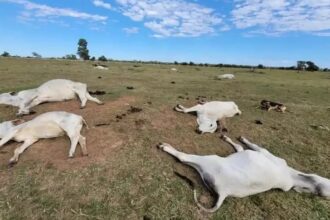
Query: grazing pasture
x,y
125,176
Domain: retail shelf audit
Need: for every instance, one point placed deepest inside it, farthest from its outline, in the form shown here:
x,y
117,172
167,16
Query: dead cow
x,y
47,125
269,105
51,91
210,113
248,172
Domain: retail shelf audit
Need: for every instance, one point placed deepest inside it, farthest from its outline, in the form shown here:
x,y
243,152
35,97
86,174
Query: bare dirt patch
x,y
101,141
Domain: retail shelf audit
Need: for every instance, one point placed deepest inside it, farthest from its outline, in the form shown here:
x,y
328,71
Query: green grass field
x,y
126,176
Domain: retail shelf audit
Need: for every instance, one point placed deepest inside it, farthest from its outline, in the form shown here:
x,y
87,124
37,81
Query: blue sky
x,y
268,32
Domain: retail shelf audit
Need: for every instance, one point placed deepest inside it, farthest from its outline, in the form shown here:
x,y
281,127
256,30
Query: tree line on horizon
x,y
83,53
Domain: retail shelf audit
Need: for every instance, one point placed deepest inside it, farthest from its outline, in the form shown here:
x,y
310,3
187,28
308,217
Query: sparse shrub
x,y
260,66
70,57
102,58
36,55
5,54
311,66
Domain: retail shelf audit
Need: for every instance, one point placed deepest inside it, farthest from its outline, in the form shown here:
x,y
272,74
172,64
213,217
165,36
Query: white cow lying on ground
x,y
209,113
47,125
51,91
226,76
248,172
101,67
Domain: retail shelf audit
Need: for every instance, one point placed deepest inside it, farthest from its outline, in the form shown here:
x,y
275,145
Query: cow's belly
x,y
57,95
56,90
39,131
250,172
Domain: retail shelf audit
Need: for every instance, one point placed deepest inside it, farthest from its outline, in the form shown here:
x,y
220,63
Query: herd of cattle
x,y
241,174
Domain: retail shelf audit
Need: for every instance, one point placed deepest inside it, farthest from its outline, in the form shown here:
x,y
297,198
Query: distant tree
x,y
71,57
36,55
301,65
325,70
184,63
260,66
82,51
5,54
175,63
102,58
92,59
191,63
311,66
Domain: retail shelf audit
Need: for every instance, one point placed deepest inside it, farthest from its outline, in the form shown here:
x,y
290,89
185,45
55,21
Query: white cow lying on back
x,y
51,91
47,125
209,113
248,172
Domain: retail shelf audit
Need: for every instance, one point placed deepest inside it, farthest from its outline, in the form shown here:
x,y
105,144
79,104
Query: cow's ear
x,y
17,121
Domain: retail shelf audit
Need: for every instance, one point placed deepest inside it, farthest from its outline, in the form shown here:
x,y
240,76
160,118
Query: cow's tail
x,y
85,123
192,184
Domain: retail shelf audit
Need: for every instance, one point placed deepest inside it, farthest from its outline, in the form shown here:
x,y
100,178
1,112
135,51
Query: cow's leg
x,y
82,142
222,125
82,97
74,134
21,149
7,138
180,108
183,157
74,141
237,147
25,109
93,99
250,145
198,162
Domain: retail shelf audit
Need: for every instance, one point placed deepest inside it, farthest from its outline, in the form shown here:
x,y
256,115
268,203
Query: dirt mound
x,y
101,141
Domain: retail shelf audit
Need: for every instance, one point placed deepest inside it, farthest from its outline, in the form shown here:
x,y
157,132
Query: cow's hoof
x,y
223,137
178,108
82,107
71,157
241,138
85,155
162,145
12,163
101,103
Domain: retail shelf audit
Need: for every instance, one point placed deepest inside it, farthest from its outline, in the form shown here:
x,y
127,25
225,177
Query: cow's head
x,y
6,126
206,125
9,99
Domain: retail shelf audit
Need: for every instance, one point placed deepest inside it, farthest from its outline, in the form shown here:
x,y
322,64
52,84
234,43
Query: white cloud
x,y
170,18
282,15
131,30
322,34
102,4
41,11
